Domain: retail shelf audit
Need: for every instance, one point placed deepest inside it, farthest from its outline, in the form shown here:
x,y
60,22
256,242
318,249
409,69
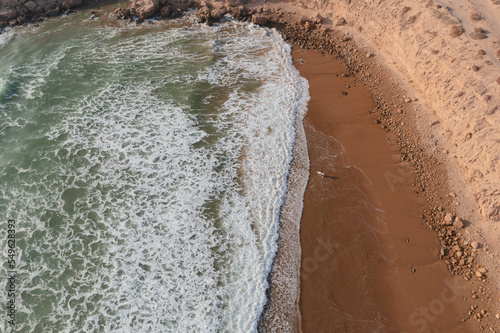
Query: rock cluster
x,y
207,12
16,12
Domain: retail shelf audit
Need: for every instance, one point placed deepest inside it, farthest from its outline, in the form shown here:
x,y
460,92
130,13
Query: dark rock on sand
x,y
477,34
259,19
122,13
459,223
456,31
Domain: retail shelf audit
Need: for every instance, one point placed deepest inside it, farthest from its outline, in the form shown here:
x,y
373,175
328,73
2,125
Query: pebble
x,y
459,223
479,274
474,245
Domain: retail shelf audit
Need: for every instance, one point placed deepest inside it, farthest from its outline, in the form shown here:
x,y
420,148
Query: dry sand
x,y
368,262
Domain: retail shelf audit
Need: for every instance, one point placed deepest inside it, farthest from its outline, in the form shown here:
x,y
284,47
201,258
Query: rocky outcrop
x,y
144,8
15,12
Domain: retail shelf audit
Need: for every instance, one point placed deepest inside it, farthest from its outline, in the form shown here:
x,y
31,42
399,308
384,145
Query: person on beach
x,y
321,173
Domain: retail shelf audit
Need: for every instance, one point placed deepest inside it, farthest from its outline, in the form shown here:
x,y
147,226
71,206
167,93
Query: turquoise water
x,y
145,167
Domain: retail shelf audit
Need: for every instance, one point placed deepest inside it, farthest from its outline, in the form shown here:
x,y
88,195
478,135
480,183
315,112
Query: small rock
x,y
121,13
498,80
475,17
479,274
407,100
368,55
144,9
477,35
497,316
481,52
448,219
475,68
474,245
474,296
341,21
456,31
459,223
498,54
309,25
259,19
482,270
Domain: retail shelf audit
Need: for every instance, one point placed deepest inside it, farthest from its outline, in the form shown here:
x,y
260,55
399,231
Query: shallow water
x,y
145,167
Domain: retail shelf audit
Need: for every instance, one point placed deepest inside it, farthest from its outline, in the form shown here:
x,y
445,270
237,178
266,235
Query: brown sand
x,y
369,264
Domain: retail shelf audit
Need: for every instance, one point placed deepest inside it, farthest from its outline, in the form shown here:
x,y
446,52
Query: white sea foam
x,y
148,170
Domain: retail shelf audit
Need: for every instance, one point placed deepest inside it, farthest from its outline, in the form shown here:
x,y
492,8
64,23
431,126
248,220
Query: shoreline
x,y
419,169
398,125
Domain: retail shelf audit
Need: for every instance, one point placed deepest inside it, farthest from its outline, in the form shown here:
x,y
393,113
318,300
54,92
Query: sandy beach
x,y
369,264
399,233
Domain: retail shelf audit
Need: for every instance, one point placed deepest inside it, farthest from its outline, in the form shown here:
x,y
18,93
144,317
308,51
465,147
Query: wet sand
x,y
369,264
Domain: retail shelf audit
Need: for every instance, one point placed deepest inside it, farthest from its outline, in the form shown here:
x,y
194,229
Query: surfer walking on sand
x,y
322,174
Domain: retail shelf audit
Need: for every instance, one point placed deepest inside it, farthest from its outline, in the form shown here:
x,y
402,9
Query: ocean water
x,y
145,167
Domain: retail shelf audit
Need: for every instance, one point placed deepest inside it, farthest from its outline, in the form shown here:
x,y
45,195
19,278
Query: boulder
x,y
259,19
203,15
122,13
75,3
7,15
217,14
318,19
448,219
33,8
54,11
166,11
235,3
145,9
456,31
